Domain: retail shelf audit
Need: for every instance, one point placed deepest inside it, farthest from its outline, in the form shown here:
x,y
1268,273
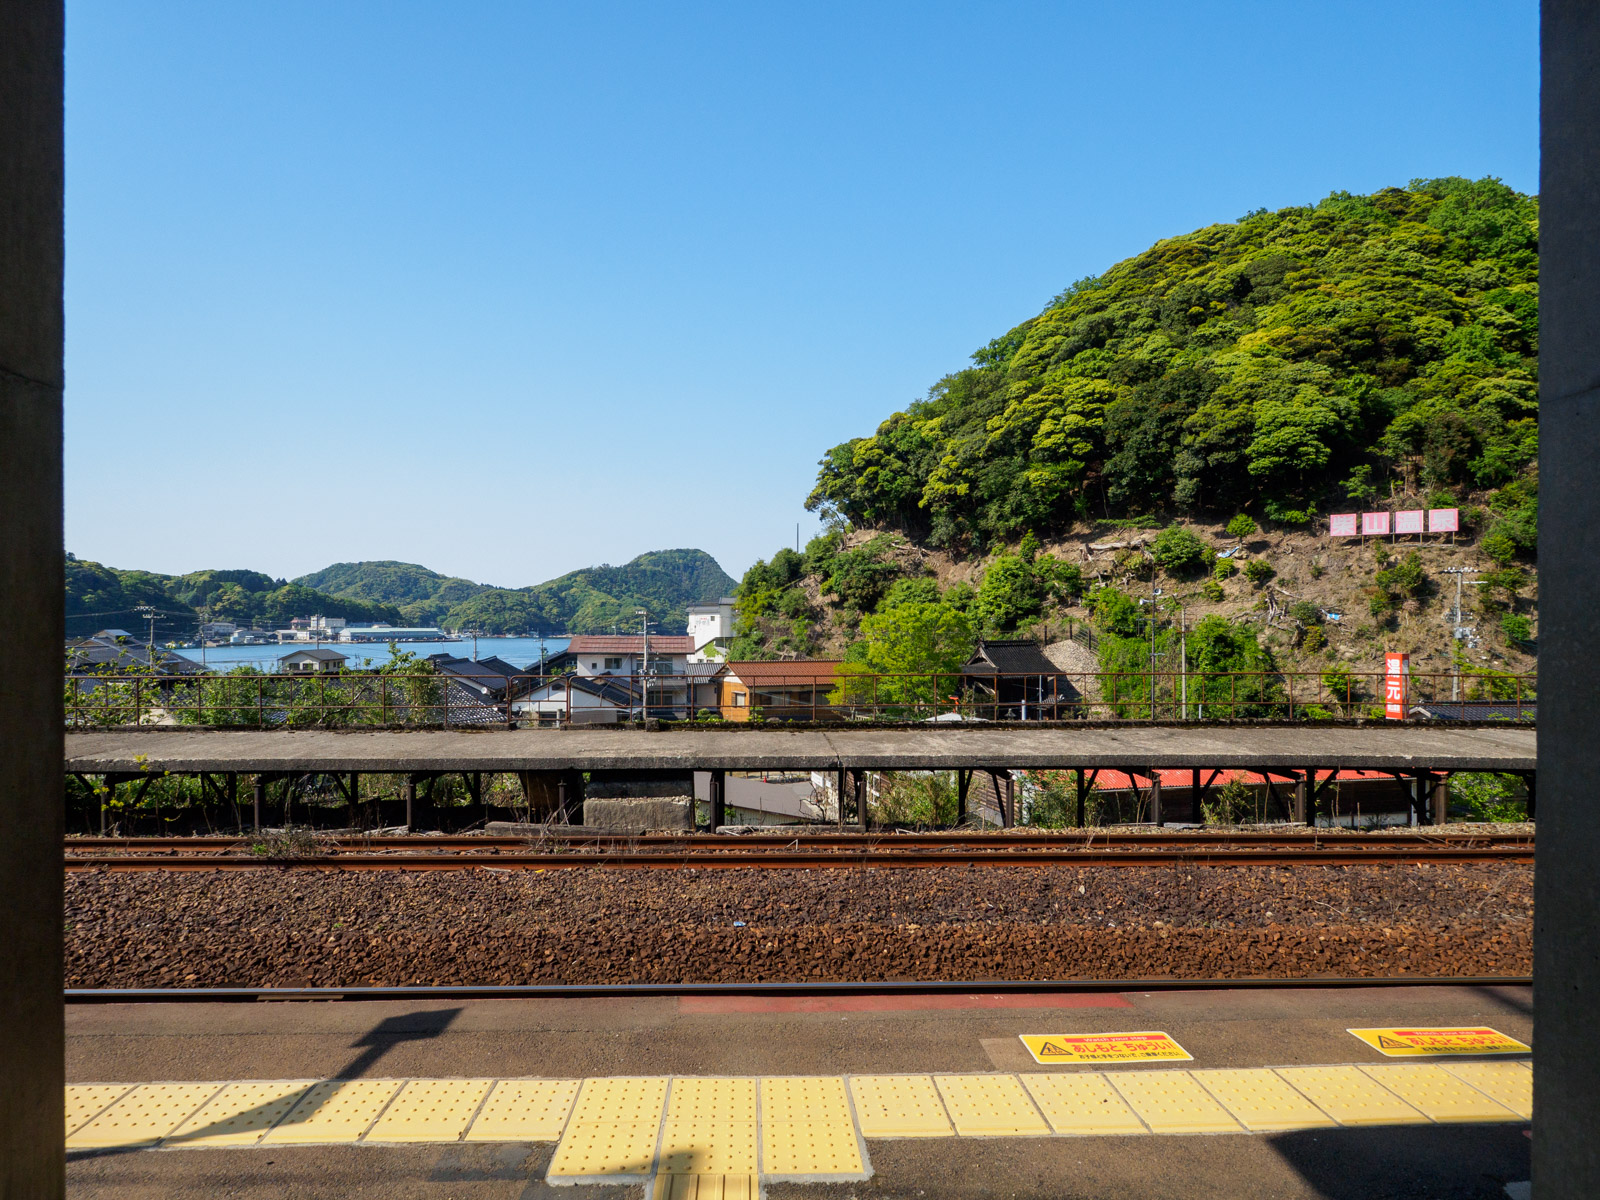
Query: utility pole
x,y
1183,656
644,626
1457,630
149,614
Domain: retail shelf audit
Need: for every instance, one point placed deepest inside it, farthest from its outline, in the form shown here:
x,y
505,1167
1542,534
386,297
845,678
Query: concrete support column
x,y
1439,805
32,626
1300,798
963,781
408,794
718,799
1155,797
1566,939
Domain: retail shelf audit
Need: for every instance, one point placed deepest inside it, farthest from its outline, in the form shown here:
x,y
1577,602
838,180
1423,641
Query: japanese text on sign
x,y
1410,1043
1144,1046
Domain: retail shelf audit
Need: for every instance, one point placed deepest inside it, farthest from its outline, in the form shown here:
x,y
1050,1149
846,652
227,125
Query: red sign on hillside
x,y
1444,520
1342,525
1396,675
1375,524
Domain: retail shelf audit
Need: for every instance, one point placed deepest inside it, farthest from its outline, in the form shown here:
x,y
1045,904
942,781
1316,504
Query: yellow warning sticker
x,y
1144,1046
1422,1041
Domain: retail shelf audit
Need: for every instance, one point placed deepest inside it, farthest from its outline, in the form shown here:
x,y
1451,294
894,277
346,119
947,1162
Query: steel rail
x,y
775,859
996,842
567,991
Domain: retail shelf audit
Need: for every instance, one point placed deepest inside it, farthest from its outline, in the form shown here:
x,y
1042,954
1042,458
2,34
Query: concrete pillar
x,y
1566,939
1155,797
32,627
718,794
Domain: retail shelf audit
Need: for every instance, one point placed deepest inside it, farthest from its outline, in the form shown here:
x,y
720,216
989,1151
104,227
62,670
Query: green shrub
x,y
1258,571
1241,527
1177,550
1405,576
1212,591
1516,627
1306,612
1314,639
1481,796
1224,569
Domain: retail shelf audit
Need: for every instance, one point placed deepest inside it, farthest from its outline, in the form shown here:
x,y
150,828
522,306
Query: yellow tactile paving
x,y
1172,1102
706,1187
144,1116
1081,1103
806,1127
431,1110
620,1100
1350,1097
605,1152
524,1110
990,1106
240,1114
707,1148
612,1131
1506,1082
901,1106
1261,1100
1437,1094
85,1101
801,1098
711,1099
336,1110
810,1149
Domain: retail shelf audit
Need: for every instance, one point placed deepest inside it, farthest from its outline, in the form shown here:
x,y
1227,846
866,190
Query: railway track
x,y
538,991
786,856
998,843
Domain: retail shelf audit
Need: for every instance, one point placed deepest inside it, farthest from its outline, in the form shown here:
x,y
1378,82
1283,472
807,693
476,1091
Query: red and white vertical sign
x,y
1396,675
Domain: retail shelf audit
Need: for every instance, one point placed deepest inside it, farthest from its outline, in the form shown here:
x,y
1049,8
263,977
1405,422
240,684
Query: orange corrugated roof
x,y
794,672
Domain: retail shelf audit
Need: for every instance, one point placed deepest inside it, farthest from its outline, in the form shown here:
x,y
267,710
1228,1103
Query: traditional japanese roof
x,y
630,643
318,653
1017,657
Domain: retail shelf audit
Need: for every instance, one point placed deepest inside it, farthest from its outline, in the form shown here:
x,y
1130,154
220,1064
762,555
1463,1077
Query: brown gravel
x,y
488,926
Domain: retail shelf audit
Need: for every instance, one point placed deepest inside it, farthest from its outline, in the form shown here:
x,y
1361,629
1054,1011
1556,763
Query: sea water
x,y
518,651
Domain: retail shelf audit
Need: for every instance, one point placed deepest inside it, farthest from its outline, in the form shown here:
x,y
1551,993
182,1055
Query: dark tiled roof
x,y
1019,657
1477,710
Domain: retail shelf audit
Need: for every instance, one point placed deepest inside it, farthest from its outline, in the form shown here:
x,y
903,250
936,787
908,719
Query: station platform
x,y
707,1097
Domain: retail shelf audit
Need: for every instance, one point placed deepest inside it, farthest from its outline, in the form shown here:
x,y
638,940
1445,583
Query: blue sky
x,y
511,288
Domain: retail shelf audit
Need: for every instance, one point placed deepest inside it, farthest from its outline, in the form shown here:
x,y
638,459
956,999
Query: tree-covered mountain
x,y
423,597
1276,365
100,597
1223,387
592,600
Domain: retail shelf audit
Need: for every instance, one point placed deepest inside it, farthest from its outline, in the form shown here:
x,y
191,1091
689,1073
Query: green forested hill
x,y
100,597
592,600
422,596
587,601
1230,385
1278,365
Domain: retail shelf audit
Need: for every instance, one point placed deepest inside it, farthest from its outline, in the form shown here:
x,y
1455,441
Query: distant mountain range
x,y
592,600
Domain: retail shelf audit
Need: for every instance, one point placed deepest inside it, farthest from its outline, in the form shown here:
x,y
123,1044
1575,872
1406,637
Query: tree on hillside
x,y
917,647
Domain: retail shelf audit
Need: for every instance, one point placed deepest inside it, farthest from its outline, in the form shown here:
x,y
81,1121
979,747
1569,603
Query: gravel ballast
x,y
494,926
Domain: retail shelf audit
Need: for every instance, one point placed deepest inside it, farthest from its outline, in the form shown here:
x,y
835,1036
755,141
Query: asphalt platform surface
x,y
797,1036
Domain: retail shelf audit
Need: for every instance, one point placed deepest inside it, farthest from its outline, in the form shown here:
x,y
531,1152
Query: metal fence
x,y
371,699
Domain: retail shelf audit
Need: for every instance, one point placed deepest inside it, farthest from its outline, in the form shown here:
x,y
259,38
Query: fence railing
x,y
355,699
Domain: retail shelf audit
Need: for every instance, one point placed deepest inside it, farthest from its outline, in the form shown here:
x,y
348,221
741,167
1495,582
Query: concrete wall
x,y
1566,940
31,624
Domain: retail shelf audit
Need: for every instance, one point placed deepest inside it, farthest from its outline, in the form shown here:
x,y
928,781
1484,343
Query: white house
x,y
605,654
311,662
711,630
